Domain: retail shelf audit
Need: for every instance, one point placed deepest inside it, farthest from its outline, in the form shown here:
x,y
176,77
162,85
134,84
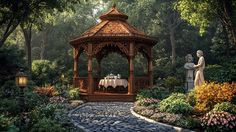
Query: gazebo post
x,y
90,70
150,70
131,86
75,77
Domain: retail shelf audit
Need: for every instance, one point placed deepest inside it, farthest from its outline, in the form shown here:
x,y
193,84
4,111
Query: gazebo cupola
x,y
112,34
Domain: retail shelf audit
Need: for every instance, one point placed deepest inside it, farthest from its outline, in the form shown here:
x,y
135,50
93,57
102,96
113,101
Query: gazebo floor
x,y
105,96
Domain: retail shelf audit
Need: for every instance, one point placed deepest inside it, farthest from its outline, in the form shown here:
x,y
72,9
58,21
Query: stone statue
x,y
189,66
199,77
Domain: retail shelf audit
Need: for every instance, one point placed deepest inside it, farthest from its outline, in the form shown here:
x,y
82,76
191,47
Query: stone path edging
x,y
179,129
75,123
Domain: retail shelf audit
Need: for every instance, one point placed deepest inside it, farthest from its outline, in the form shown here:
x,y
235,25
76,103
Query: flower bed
x,y
204,108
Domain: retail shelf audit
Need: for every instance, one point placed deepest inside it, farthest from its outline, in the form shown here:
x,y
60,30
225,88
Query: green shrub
x,y
155,92
149,102
47,125
191,99
189,123
170,82
47,111
176,104
9,89
7,124
74,93
221,73
33,99
226,107
11,60
10,106
44,72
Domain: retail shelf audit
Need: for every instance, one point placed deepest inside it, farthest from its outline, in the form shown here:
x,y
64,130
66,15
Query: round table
x,y
113,82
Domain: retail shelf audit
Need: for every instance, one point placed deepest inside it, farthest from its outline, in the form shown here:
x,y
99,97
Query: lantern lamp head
x,y
21,79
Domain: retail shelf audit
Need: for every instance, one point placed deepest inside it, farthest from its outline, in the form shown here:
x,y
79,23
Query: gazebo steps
x,y
107,97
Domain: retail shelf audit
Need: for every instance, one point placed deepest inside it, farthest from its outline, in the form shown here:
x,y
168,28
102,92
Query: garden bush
x,y
149,102
44,72
10,106
74,93
188,122
47,111
176,104
9,89
166,117
7,124
48,91
155,92
212,93
221,73
215,121
47,125
170,82
226,107
11,60
191,99
33,99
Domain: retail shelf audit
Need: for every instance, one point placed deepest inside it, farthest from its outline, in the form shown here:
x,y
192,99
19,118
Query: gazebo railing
x,y
82,83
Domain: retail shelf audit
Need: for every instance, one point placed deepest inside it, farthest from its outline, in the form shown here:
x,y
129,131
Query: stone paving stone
x,y
113,117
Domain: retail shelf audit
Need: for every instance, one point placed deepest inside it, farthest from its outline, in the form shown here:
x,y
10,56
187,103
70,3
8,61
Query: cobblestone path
x,y
113,117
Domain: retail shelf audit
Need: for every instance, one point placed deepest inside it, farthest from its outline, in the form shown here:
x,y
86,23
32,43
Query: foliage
x,y
219,121
9,89
155,92
74,93
44,72
47,125
7,124
149,102
203,12
57,99
33,99
221,73
176,103
166,117
226,107
191,99
171,82
10,106
209,94
47,111
189,122
11,60
48,91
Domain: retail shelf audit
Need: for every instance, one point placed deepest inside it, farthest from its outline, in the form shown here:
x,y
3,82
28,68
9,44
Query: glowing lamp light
x,y
21,79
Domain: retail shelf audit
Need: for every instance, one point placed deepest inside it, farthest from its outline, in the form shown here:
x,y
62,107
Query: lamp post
x,y
21,82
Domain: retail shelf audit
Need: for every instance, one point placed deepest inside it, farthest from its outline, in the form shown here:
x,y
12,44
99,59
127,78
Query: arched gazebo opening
x,y
112,34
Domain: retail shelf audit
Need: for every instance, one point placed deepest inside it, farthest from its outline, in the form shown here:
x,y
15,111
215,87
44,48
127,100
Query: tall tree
x,y
14,12
38,17
202,13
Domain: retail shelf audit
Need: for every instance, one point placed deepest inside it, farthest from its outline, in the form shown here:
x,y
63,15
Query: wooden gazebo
x,y
112,34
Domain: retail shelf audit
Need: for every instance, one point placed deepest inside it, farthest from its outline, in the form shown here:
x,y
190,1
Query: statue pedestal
x,y
189,84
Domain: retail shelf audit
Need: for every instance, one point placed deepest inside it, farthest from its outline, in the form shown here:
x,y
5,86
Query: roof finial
x,y
114,5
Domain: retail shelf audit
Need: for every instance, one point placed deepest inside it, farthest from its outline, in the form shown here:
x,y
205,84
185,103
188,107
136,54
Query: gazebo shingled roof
x,y
113,26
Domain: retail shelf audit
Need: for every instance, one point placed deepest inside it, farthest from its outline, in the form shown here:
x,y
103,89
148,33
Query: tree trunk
x,y
43,44
173,46
10,28
226,20
27,35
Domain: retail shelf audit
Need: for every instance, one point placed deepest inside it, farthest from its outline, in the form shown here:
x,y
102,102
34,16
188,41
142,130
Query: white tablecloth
x,y
113,82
